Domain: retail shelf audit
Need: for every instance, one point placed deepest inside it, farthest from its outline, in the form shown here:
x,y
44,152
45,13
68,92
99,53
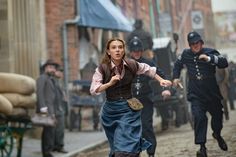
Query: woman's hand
x,y
114,79
165,83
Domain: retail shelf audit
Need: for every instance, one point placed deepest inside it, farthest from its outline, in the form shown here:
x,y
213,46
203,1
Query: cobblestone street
x,y
179,142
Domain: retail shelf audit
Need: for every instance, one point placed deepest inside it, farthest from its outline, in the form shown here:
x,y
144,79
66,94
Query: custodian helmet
x,y
135,44
194,37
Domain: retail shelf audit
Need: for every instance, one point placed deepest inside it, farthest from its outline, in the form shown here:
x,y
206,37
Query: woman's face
x,y
116,50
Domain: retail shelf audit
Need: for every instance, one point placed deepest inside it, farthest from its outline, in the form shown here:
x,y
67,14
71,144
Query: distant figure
x,y
60,110
203,90
232,84
144,36
88,70
222,78
46,98
87,74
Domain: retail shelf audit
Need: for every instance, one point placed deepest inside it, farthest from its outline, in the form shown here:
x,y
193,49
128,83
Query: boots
x,y
221,142
202,152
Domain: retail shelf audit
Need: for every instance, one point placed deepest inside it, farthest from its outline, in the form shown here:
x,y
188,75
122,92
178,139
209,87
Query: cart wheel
x,y
6,142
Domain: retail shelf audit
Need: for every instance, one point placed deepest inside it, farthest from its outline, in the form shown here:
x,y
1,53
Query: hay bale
x,y
16,83
5,106
19,100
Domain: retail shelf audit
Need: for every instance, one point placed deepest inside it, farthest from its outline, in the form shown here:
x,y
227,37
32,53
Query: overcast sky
x,y
223,5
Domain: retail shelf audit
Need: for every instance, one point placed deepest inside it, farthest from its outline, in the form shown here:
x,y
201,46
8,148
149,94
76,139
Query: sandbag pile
x,y
17,94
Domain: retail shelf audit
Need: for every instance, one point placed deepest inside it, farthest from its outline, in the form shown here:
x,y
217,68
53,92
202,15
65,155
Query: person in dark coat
x,y
203,91
232,84
46,98
222,79
144,36
142,90
60,110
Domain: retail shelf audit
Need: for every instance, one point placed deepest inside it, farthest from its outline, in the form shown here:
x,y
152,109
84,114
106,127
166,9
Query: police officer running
x,y
141,89
203,91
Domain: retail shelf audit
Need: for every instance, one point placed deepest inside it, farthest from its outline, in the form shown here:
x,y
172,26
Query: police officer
x,y
144,36
141,89
203,91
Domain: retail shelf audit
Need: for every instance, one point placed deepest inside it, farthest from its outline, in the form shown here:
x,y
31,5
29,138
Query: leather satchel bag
x,y
135,104
41,119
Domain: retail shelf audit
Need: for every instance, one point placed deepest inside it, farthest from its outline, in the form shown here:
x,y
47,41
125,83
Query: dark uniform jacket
x,y
46,94
202,81
141,86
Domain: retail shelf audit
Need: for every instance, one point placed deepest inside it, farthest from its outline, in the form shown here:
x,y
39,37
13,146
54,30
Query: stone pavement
x,y
75,142
179,142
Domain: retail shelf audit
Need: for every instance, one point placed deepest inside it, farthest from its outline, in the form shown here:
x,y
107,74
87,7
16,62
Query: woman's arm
x,y
144,68
163,82
113,81
97,86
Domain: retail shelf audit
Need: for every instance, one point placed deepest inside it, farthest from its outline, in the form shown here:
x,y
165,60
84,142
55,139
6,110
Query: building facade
x,y
33,31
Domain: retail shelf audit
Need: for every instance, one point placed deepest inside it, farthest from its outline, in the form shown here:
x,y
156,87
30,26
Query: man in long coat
x,y
46,98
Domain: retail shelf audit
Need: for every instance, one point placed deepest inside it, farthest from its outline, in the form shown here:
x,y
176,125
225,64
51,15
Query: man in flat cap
x,y
46,98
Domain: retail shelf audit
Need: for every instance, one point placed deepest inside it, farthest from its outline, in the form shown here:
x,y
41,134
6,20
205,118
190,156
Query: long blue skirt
x,y
123,127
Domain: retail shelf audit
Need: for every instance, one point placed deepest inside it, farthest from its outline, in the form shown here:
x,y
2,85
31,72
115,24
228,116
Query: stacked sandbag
x,y
5,105
17,94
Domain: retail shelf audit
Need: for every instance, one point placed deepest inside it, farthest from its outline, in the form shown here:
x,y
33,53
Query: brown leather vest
x,y
122,89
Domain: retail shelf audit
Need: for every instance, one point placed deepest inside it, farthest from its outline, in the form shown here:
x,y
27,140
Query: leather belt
x,y
119,98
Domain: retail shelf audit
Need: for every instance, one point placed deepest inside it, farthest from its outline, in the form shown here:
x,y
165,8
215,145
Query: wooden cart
x,y
12,127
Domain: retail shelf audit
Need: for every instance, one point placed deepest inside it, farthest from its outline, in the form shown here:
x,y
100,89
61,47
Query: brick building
x,y
32,31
